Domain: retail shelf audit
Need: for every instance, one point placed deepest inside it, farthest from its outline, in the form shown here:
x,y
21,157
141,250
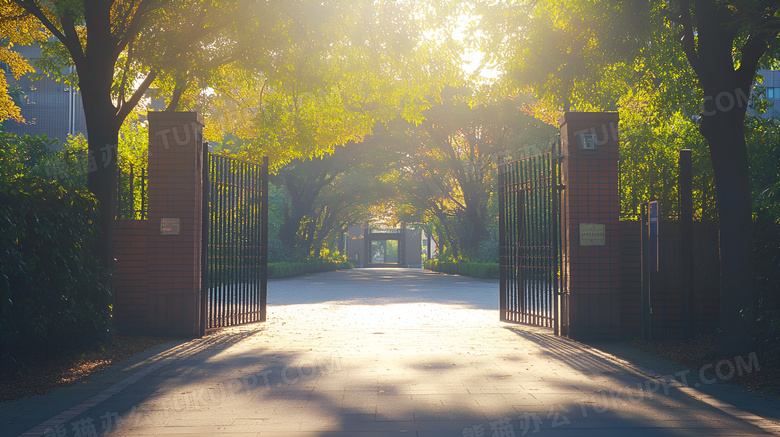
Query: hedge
x,y
53,289
284,270
476,270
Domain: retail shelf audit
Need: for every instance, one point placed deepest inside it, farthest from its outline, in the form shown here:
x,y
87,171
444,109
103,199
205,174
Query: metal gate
x,y
533,274
235,242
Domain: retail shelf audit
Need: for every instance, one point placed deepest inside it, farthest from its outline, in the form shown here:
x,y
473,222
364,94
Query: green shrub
x,y
473,269
53,289
286,269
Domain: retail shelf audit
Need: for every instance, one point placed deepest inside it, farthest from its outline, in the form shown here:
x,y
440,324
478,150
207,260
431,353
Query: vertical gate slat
x,y
250,245
225,248
228,255
501,248
204,240
215,276
232,245
512,212
509,242
519,214
545,266
550,275
258,241
264,241
549,279
523,242
234,256
243,280
219,261
554,216
533,245
238,286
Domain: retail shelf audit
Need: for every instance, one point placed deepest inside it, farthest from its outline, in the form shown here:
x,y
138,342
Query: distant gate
x,y
532,268
235,242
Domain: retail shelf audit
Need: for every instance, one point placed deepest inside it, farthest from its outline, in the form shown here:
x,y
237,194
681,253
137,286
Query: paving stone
x,y
393,352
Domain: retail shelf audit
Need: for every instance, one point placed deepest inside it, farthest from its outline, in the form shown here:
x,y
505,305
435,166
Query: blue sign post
x,y
649,262
652,213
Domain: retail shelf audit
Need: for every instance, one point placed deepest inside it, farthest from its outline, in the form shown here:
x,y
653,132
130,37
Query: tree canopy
x,y
16,29
315,85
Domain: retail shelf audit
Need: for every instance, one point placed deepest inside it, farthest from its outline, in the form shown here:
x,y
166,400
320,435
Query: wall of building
x,y
48,107
772,87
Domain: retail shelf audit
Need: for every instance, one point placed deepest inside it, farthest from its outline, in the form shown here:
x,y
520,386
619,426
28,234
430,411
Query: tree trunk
x,y
724,130
103,129
726,89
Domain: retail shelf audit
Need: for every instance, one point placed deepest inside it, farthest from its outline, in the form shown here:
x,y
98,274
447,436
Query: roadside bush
x,y
287,269
53,292
488,251
473,269
277,251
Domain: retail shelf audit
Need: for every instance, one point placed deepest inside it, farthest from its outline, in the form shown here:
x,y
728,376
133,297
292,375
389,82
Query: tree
x,y
304,180
331,192
724,43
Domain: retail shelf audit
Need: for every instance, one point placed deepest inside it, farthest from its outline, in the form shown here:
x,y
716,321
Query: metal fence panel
x,y
132,194
532,268
235,242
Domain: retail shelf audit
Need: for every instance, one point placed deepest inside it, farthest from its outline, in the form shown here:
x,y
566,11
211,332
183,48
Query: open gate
x,y
235,242
533,275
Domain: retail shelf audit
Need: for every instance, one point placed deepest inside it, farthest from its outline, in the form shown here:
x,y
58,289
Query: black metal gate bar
x,y
531,257
204,240
235,237
263,241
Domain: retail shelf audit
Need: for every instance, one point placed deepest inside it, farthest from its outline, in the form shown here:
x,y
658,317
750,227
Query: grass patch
x,y
475,270
286,270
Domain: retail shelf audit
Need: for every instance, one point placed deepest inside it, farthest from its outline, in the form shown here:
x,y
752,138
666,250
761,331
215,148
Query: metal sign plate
x,y
592,234
169,226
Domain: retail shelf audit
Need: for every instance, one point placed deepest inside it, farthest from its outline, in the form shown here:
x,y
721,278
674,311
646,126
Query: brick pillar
x,y
174,230
590,222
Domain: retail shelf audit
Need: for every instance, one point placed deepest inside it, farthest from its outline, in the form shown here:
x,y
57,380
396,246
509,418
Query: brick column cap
x,y
187,116
585,117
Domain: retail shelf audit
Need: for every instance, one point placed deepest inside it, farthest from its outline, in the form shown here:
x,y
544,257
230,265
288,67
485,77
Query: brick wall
x,y
630,278
666,293
130,275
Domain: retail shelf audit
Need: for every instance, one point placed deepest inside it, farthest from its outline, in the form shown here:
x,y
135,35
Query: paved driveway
x,y
379,352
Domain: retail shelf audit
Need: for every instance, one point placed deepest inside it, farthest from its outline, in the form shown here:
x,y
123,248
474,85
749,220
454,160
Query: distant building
x,y
48,107
371,246
772,91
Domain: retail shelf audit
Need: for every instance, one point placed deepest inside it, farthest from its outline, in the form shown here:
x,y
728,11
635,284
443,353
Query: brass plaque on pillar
x,y
592,234
169,226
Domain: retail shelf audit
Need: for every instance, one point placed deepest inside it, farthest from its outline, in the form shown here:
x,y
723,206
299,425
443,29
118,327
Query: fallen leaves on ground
x,y
700,353
41,376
